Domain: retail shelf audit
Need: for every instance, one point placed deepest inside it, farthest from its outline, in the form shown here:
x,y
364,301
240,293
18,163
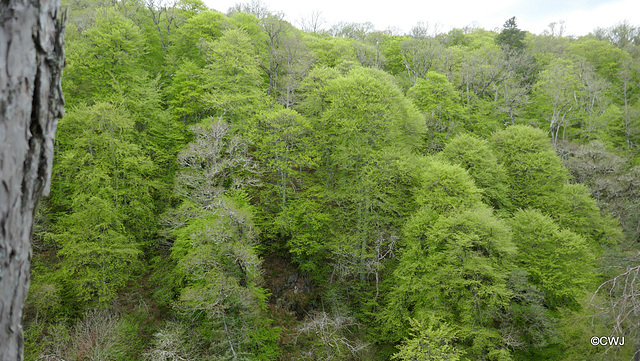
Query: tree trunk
x,y
31,60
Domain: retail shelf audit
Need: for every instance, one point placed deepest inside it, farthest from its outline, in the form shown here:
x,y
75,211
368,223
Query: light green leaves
x,y
533,168
444,188
476,156
440,103
105,58
454,267
98,256
559,261
228,84
428,341
104,194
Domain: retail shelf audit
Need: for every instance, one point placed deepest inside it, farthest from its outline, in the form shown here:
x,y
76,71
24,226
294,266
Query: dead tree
x,y
31,60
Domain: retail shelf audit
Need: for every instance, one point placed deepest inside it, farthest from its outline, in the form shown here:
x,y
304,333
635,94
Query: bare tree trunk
x,y
31,60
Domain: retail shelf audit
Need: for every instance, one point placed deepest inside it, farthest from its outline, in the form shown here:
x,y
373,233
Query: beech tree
x,y
476,156
455,268
225,85
534,170
428,343
281,138
358,118
561,266
105,59
103,200
206,26
31,46
440,103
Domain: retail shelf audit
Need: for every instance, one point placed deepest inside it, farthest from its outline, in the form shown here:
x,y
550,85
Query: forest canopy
x,y
227,186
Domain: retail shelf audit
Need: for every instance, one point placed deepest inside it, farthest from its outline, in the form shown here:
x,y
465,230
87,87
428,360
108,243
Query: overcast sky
x,y
580,16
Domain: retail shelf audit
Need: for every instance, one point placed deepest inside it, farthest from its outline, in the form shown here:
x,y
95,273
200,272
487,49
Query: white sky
x,y
580,16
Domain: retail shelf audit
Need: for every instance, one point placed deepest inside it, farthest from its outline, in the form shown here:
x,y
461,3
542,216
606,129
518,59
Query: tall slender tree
x,y
510,35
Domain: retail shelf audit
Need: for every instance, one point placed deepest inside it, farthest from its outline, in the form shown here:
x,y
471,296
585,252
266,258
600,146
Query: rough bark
x,y
31,60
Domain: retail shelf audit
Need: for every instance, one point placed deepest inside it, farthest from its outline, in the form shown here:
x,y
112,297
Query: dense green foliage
x,y
229,187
